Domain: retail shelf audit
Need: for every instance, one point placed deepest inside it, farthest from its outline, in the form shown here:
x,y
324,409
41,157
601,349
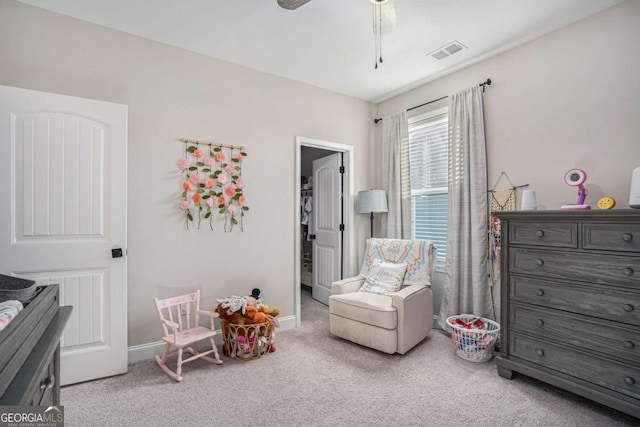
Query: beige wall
x,y
172,93
568,99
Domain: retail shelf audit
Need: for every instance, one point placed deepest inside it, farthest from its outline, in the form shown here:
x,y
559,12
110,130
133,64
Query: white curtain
x,y
395,157
466,287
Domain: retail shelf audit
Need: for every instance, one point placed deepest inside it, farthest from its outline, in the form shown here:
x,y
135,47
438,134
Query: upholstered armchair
x,y
389,305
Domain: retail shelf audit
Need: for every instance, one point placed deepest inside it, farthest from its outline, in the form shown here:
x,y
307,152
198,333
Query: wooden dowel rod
x,y
214,144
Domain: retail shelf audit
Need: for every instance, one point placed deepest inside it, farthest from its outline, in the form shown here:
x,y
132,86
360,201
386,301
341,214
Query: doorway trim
x,y
348,189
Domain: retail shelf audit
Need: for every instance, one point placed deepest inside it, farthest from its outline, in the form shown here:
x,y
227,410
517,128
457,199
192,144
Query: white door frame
x,y
349,194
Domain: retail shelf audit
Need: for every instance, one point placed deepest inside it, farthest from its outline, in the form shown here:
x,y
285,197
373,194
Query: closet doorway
x,y
324,217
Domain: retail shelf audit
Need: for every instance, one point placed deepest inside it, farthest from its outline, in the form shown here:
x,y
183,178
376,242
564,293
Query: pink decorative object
x,y
195,178
208,179
183,163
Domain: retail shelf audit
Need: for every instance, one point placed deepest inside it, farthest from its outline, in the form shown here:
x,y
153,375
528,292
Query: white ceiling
x,y
330,43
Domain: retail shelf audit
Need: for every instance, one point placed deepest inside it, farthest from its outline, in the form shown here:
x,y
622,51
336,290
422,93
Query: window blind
x,y
428,169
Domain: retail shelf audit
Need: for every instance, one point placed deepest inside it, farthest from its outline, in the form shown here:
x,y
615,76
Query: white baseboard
x,y
138,353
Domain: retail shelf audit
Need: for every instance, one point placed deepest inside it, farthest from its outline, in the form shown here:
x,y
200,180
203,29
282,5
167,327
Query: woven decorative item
x,y
500,200
247,342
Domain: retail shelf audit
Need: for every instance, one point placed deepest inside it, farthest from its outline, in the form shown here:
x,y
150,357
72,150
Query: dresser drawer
x,y
605,269
554,234
592,300
592,334
606,373
611,237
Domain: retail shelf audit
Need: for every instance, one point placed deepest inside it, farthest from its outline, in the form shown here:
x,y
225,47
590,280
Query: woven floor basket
x,y
246,342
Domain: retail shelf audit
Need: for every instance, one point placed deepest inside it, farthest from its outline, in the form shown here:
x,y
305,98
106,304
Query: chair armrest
x,y
345,286
170,324
208,313
414,304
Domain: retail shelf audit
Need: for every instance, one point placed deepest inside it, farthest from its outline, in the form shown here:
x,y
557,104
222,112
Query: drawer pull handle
x,y
539,262
627,237
539,352
628,308
540,322
628,271
540,292
48,382
540,233
629,381
629,344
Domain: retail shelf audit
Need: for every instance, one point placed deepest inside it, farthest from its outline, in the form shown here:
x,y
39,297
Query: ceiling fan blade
x,y
292,4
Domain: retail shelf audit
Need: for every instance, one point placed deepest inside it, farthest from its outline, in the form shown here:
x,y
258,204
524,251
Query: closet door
x,y
326,218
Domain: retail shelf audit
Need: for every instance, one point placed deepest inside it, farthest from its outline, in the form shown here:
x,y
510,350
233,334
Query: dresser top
x,y
569,215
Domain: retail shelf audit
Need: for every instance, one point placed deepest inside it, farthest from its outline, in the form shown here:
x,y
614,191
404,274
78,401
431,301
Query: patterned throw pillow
x,y
384,278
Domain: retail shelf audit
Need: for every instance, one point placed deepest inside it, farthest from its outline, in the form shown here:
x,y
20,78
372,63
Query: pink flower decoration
x,y
220,157
230,169
187,185
242,200
208,160
209,182
195,178
231,209
197,197
230,191
184,205
210,201
240,158
240,182
222,179
183,163
197,153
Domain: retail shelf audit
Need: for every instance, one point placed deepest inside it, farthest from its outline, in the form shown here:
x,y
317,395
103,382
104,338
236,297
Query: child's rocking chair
x,y
185,337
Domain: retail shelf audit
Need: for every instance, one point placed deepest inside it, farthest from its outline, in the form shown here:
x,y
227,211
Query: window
x,y
428,160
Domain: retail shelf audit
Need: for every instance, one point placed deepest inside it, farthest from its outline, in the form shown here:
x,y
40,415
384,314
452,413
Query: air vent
x,y
447,50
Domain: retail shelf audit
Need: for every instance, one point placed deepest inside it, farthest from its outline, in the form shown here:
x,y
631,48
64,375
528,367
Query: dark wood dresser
x,y
570,302
30,352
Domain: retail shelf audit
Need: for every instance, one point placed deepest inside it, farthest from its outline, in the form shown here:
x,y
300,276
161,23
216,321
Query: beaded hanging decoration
x,y
500,200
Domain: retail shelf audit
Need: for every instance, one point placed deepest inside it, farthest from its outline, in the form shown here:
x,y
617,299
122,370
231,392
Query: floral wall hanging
x,y
212,183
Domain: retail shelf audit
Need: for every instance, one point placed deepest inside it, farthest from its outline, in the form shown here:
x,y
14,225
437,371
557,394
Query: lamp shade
x,y
371,201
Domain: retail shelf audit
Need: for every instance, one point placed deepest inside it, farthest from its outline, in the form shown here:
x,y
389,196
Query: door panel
x,y
327,217
63,167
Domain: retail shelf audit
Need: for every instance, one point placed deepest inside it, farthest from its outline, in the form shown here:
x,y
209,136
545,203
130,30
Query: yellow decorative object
x,y
606,203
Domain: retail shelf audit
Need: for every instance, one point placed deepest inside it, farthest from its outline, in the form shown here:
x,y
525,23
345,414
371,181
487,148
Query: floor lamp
x,y
371,201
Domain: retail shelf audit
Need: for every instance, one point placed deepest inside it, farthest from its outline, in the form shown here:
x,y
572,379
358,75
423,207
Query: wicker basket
x,y
474,345
246,342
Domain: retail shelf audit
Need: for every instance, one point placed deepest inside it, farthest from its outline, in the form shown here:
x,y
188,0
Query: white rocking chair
x,y
184,335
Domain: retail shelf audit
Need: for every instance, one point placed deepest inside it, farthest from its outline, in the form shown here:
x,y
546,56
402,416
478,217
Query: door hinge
x,y
341,227
341,169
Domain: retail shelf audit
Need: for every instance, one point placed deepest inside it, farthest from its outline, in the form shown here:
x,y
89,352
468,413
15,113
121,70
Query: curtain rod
x,y
483,85
214,144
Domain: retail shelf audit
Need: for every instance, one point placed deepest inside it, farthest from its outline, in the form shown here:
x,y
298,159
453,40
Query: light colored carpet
x,y
315,378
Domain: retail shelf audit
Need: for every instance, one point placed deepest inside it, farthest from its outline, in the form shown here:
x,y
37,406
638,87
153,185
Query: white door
x,y
63,175
327,219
